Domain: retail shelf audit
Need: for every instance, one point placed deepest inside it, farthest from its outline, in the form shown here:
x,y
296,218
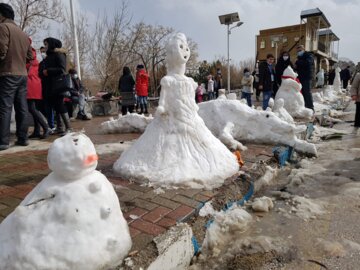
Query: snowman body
x,y
71,220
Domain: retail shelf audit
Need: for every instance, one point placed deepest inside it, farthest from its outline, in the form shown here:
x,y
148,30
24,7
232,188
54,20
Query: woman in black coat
x,y
126,88
55,66
282,63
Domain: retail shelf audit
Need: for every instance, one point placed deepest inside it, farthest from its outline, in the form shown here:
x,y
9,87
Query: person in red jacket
x,y
34,95
141,88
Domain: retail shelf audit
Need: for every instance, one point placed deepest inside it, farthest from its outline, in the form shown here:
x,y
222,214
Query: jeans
x,y
266,97
142,100
306,91
211,95
13,91
247,96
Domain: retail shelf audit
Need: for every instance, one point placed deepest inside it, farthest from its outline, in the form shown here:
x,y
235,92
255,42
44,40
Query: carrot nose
x,y
90,159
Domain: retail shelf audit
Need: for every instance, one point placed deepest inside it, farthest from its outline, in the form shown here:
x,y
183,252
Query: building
x,y
313,32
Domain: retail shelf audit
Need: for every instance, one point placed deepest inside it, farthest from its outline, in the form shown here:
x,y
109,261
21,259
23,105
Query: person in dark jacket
x,y
282,63
267,83
331,76
304,66
78,95
15,52
48,110
55,66
345,76
126,89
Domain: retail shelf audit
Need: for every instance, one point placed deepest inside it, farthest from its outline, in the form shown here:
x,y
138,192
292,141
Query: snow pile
x,y
222,117
323,132
266,179
289,91
330,248
226,225
263,204
130,123
207,210
71,220
318,97
307,208
222,94
299,176
177,149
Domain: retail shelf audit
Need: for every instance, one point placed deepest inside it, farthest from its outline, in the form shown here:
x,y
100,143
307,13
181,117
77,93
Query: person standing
x,y
304,67
345,76
126,89
45,87
15,52
78,95
247,84
34,97
267,79
210,86
141,87
282,63
355,96
199,93
55,66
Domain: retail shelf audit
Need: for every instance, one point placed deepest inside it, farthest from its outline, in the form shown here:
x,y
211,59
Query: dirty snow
x,y
70,220
262,204
130,123
306,208
207,210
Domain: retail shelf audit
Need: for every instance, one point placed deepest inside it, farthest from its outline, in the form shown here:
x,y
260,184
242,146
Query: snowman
x,y
337,81
281,112
177,149
71,220
289,91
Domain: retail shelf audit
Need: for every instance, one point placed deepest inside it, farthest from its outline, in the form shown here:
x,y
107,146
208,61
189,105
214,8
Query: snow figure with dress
x,y
289,91
70,220
177,149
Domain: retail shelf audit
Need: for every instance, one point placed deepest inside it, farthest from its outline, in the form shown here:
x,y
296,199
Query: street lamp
x,y
229,19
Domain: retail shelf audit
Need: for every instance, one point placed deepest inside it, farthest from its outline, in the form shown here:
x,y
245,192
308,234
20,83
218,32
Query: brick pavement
x,y
148,212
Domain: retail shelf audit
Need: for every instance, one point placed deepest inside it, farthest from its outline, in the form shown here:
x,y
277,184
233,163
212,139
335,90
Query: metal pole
x,y
228,58
73,24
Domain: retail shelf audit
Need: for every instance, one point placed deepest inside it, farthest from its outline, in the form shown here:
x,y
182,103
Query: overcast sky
x,y
199,20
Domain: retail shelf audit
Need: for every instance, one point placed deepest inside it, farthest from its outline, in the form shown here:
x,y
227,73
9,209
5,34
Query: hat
x,y
139,66
7,11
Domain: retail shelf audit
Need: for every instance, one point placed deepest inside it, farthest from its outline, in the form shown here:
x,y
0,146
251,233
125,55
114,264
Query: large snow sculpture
x,y
289,91
176,147
233,121
320,78
337,81
71,220
130,123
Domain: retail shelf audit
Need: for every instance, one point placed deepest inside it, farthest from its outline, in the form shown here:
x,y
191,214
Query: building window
x,y
284,39
273,44
262,44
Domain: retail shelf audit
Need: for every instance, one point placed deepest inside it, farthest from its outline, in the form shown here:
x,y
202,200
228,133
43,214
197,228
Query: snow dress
x,y
176,147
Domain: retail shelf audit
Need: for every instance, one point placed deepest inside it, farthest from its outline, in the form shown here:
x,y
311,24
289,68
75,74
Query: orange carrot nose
x,y
90,159
238,157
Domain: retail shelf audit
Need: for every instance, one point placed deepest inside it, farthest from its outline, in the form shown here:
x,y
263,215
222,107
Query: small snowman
x,y
337,81
281,112
289,91
222,94
71,220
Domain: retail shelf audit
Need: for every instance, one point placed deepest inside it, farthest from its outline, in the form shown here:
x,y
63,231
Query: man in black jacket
x,y
304,67
15,52
267,82
345,76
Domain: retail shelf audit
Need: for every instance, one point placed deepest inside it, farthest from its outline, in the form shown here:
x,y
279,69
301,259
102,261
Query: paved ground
x,y
148,213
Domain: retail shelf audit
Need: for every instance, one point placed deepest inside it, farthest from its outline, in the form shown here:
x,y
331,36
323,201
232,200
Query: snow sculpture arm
x,y
165,85
227,138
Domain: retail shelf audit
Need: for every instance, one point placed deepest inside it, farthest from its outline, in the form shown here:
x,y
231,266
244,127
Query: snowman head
x,y
289,72
338,70
72,156
177,50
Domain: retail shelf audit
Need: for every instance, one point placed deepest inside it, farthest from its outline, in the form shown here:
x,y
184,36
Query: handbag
x,y
62,84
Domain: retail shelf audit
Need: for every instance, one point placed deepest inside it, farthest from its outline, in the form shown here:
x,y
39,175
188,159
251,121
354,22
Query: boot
x,y
145,109
66,120
59,126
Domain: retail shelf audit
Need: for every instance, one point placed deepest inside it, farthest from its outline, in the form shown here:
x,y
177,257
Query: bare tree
x,y
31,15
107,39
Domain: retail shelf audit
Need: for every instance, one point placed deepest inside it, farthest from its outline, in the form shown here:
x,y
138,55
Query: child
x,y
247,83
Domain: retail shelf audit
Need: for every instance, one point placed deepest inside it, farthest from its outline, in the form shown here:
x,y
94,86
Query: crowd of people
x,y
46,90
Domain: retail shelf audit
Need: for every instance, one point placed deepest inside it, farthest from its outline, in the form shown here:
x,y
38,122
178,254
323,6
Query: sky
x,y
198,19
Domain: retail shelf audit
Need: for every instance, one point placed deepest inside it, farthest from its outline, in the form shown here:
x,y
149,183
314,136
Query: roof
x,y
314,13
328,32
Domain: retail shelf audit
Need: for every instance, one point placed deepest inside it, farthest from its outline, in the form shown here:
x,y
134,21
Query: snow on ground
x,y
263,204
222,118
130,123
70,220
306,208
